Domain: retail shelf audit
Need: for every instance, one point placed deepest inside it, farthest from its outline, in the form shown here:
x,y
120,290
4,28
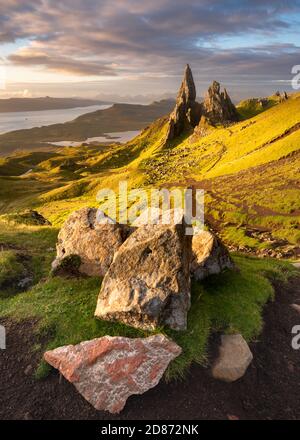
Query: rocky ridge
x,y
188,114
218,107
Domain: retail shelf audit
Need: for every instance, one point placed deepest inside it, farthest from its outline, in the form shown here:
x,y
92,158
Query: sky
x,y
137,49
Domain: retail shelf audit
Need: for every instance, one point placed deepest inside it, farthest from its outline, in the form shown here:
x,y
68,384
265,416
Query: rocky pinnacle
x,y
187,91
217,107
187,113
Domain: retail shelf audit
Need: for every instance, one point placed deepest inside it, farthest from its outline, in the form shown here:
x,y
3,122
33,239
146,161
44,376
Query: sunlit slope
x,y
59,182
266,197
249,171
253,106
264,138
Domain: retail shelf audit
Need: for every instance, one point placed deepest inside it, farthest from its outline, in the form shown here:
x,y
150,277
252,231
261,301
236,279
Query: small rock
x,y
25,283
232,417
28,370
234,358
35,218
209,256
296,307
107,370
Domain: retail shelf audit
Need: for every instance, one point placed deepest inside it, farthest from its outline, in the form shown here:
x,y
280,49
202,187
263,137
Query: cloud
x,y
60,64
138,37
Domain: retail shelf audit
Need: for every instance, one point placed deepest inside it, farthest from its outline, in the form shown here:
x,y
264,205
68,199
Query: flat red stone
x,y
106,371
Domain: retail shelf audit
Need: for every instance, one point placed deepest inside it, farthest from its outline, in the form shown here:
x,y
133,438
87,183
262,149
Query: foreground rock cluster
x,y
147,270
189,114
146,267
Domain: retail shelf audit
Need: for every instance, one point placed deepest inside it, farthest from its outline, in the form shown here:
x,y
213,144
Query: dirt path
x,y
269,390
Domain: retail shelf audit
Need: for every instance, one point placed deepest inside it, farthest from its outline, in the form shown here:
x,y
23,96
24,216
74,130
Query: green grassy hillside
x,y
250,173
253,106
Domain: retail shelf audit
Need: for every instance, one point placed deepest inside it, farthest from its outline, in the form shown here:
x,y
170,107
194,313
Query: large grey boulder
x,y
148,282
234,358
209,256
93,236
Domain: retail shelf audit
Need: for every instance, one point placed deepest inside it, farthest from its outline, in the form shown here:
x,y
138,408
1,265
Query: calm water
x,y
120,136
20,120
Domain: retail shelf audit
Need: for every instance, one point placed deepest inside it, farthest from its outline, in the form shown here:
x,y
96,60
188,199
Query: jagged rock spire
x,y
186,114
187,91
217,106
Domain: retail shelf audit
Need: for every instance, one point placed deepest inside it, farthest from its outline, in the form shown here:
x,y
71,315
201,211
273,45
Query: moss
x,y
28,217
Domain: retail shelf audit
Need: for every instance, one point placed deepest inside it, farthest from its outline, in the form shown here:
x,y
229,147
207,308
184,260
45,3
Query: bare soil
x,y
269,390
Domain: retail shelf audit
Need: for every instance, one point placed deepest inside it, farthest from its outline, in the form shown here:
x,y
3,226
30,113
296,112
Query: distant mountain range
x,y
45,103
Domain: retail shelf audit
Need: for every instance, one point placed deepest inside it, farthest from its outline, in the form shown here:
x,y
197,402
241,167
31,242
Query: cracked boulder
x,y
92,236
148,282
209,256
107,370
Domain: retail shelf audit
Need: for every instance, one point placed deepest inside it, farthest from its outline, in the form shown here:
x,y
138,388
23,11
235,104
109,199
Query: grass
x,y
10,268
250,173
252,107
230,302
64,308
